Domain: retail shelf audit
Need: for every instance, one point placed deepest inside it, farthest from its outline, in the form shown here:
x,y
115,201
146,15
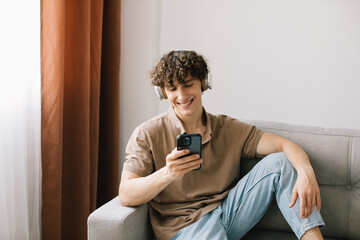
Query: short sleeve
x,y
248,136
139,159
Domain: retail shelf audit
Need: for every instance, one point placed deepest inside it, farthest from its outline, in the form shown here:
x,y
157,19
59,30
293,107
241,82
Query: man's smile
x,y
185,104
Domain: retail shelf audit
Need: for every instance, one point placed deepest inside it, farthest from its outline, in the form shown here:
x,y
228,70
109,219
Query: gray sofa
x,y
335,157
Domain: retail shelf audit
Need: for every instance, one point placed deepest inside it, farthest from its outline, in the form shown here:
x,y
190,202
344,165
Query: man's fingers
x,y
313,203
318,201
293,199
191,164
308,205
178,153
181,163
178,160
302,206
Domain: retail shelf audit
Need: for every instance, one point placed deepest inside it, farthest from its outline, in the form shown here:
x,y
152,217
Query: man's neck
x,y
194,124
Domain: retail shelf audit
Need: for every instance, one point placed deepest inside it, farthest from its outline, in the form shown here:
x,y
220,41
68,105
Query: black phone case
x,y
194,147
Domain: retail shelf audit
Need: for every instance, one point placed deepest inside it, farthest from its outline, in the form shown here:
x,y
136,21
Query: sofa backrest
x,y
335,157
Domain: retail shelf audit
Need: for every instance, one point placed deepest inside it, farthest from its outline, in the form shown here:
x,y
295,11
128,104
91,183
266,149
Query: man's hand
x,y
176,167
307,188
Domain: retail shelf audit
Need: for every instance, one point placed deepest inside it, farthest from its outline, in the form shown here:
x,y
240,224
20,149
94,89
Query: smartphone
x,y
191,142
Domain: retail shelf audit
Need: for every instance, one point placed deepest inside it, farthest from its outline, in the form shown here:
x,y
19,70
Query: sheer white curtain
x,y
20,120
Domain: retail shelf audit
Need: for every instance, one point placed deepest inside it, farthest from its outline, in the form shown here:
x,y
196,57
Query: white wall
x,y
283,60
139,48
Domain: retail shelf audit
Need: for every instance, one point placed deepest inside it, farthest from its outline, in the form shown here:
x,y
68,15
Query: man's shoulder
x,y
219,117
222,120
155,123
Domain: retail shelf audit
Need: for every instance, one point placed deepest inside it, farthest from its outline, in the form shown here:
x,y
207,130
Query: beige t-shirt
x,y
185,201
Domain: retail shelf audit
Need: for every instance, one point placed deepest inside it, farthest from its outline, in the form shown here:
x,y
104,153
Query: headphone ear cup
x,y
206,83
160,92
203,84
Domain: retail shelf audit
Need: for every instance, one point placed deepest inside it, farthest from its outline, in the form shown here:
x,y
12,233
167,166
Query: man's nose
x,y
182,92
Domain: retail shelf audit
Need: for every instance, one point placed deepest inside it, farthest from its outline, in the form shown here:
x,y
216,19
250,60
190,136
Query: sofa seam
x,y
291,136
350,159
321,134
336,187
122,222
349,183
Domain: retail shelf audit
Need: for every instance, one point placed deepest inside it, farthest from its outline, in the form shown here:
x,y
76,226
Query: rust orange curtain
x,y
80,67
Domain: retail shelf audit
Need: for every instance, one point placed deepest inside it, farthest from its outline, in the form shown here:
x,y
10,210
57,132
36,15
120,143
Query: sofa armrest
x,y
114,221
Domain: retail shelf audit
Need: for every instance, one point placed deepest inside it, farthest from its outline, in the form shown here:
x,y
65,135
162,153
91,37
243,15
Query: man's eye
x,y
188,85
171,89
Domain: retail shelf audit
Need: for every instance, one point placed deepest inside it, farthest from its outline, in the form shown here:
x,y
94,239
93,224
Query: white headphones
x,y
205,84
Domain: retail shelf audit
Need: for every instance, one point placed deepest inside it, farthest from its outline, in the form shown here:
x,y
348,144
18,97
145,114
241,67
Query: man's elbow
x,y
126,201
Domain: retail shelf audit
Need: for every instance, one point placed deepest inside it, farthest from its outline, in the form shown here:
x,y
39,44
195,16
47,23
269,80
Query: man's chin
x,y
184,112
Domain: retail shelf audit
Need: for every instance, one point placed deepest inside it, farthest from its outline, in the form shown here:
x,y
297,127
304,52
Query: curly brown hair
x,y
176,65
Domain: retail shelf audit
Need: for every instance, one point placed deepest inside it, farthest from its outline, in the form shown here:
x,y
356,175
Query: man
x,y
212,202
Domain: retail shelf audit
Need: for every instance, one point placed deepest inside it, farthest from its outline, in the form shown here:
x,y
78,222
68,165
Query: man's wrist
x,y
166,175
305,170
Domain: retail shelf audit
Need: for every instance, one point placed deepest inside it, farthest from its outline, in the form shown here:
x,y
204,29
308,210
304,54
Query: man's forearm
x,y
137,191
297,157
271,143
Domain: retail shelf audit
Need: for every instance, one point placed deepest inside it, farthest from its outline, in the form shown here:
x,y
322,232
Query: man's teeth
x,y
186,103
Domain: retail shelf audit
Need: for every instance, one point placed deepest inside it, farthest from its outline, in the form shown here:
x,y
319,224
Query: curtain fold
x,y
110,103
79,123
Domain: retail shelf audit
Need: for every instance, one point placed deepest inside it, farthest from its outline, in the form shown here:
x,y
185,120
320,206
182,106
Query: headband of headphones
x,y
205,84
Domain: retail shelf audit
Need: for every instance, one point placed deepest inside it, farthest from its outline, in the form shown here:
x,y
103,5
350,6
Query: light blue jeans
x,y
248,201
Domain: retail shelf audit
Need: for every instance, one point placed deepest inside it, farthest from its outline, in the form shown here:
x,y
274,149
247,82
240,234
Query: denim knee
x,y
279,162
279,159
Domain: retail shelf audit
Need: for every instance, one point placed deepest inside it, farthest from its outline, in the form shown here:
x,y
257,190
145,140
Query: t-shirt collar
x,y
178,124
